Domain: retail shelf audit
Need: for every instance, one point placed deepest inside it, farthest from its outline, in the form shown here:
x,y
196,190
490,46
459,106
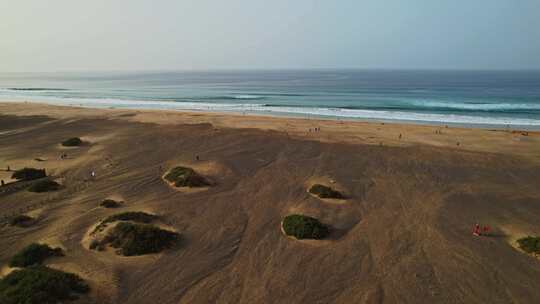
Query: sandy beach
x,y
403,235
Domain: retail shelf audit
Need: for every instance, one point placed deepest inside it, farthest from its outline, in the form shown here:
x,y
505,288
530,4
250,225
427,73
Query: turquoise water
x,y
445,97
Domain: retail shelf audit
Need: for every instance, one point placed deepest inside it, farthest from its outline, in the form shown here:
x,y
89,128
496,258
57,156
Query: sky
x,y
123,35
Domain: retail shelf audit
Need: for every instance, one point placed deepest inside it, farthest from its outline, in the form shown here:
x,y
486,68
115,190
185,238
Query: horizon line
x,y
277,69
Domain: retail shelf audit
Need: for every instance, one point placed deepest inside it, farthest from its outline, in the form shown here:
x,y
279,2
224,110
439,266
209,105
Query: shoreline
x,y
511,142
241,109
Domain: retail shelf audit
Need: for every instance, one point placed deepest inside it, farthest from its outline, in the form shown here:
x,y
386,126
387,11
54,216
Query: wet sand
x,y
402,236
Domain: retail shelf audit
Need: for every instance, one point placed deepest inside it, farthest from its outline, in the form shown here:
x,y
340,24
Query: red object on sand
x,y
477,230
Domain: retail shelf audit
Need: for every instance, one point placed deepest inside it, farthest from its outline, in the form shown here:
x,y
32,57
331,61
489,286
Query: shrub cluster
x,y
138,239
20,220
44,186
325,192
134,216
530,244
186,177
109,203
304,227
28,174
34,254
72,142
40,285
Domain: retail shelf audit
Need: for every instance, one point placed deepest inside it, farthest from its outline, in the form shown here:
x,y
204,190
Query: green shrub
x,y
72,142
109,203
28,174
96,245
186,177
530,244
20,220
304,227
44,186
134,216
138,239
325,192
34,254
40,285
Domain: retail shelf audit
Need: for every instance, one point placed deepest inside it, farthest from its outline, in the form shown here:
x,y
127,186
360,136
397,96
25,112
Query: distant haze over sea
x,y
484,98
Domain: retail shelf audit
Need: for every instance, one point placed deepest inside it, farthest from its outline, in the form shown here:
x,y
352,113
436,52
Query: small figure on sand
x,y
93,174
197,157
486,230
477,231
481,231
3,183
399,135
8,168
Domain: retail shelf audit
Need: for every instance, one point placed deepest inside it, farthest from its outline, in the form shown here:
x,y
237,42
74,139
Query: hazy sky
x,y
59,35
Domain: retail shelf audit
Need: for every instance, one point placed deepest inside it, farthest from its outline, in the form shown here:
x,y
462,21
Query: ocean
x,y
474,98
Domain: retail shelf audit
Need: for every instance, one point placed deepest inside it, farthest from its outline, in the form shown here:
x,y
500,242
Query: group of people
x,y
479,231
316,129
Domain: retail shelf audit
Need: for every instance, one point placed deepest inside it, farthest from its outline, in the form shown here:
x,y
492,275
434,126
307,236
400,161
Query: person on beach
x,y
399,135
197,157
477,231
93,174
486,230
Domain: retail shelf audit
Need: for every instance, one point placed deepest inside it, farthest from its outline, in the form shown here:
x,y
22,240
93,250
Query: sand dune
x,y
402,236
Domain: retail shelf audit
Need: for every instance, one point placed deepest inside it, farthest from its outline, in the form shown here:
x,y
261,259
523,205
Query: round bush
x,y
72,142
185,177
109,203
20,220
530,244
33,254
40,285
138,239
325,192
304,227
44,186
28,174
134,216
